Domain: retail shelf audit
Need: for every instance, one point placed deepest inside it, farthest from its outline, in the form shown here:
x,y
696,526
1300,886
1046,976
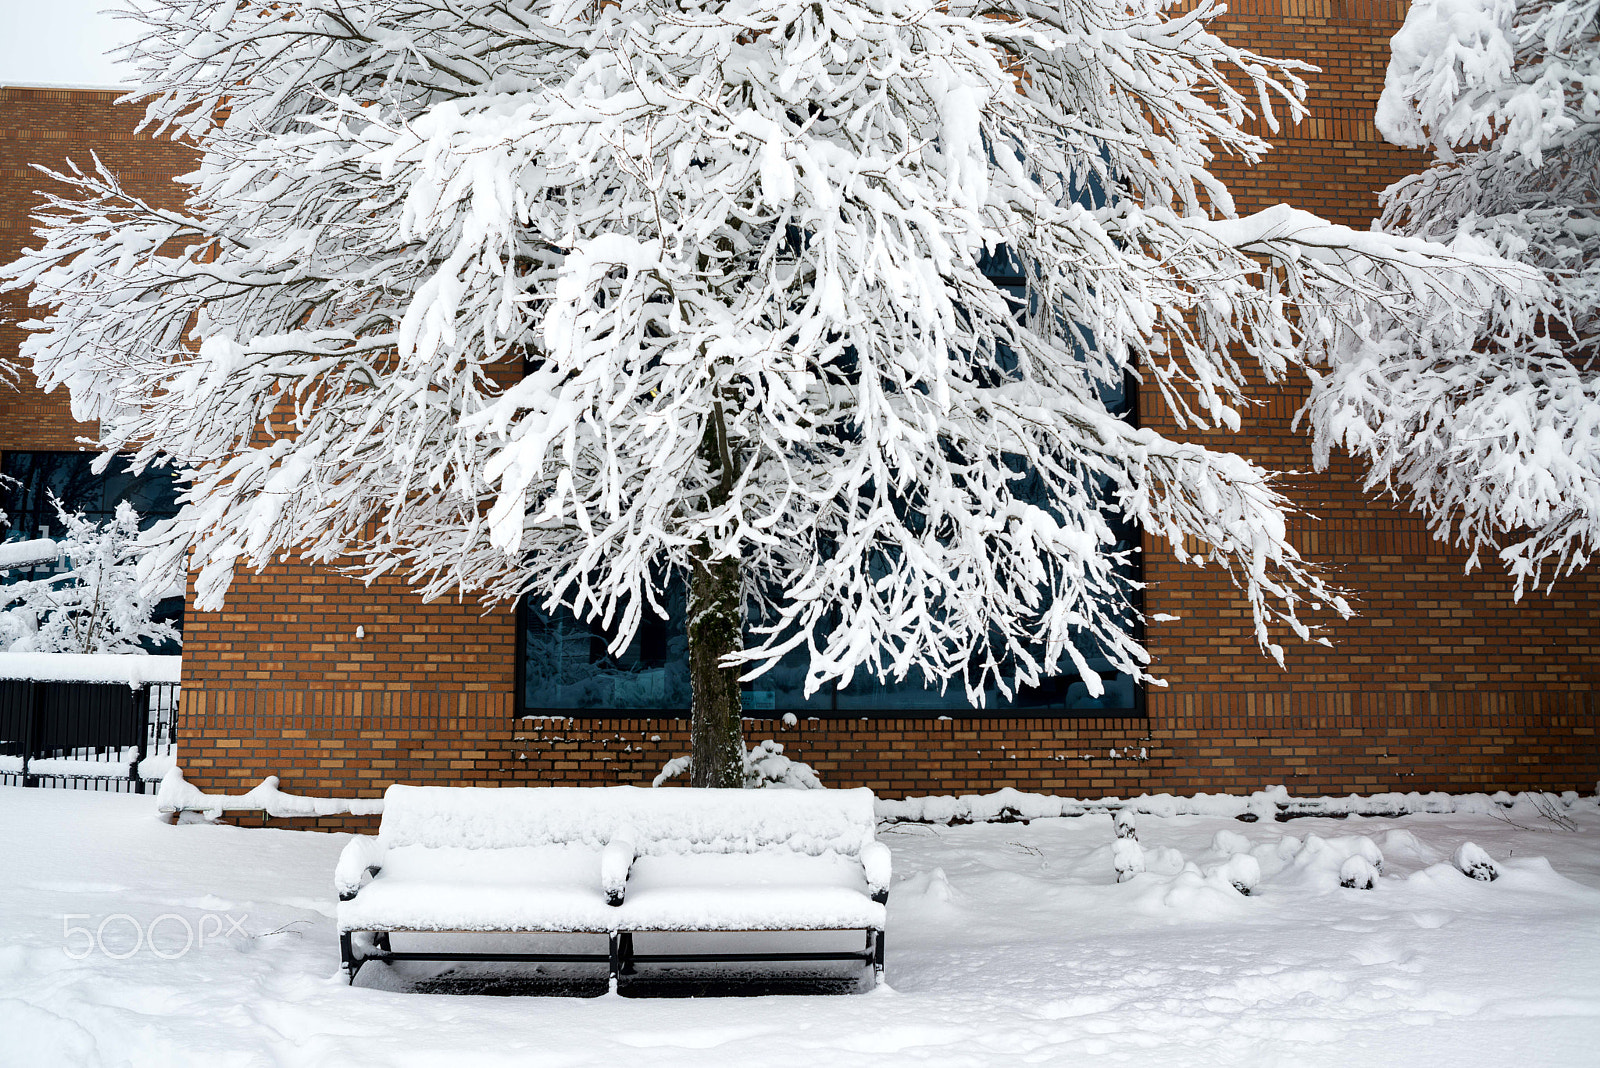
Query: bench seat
x,y
543,888
744,892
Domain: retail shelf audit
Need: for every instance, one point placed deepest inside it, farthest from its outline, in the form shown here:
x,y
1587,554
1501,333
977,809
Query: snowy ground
x,y
1008,944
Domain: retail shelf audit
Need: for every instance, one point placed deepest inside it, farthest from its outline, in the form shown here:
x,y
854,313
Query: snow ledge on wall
x,y
177,795
1275,802
1002,806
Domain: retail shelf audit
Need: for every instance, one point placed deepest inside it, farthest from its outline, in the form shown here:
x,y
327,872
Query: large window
x,y
565,667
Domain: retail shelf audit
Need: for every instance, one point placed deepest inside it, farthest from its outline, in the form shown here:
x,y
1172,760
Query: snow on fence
x,y
14,554
96,722
133,671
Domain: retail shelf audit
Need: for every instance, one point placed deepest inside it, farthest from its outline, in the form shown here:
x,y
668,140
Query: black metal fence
x,y
86,735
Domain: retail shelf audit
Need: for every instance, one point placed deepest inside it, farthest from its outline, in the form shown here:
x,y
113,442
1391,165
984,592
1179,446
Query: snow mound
x,y
178,795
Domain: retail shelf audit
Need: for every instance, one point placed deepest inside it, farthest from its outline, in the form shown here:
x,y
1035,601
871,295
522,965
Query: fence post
x,y
29,730
142,746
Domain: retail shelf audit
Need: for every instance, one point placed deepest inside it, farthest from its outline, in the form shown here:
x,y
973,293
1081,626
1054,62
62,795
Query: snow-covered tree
x,y
1497,441
98,605
572,299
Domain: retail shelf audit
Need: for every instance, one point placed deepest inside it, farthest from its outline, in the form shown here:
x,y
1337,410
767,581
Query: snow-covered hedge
x,y
177,795
1010,805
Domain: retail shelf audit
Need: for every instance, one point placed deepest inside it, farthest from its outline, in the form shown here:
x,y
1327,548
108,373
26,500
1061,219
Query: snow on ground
x,y
1008,944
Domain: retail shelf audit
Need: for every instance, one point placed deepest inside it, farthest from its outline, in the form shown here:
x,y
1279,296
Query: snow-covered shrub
x,y
98,605
1357,873
1127,858
1319,862
1230,843
1368,849
1242,871
1472,861
764,766
1123,825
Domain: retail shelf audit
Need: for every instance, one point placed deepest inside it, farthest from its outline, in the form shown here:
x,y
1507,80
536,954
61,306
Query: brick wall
x,y
1440,683
47,127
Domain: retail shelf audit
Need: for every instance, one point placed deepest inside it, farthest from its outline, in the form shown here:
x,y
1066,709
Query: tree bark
x,y
716,628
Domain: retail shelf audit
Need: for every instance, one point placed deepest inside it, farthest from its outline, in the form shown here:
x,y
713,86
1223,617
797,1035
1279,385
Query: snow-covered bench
x,y
616,861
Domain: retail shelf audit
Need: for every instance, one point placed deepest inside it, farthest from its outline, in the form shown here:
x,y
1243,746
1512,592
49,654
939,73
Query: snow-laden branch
x,y
1495,436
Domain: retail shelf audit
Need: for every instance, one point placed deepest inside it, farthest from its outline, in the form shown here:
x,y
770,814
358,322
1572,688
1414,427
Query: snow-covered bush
x,y
1471,860
98,605
1229,843
556,298
1242,871
1123,825
1357,873
764,766
1127,857
1496,441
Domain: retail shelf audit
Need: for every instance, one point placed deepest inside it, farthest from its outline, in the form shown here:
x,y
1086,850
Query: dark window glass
x,y
568,667
31,478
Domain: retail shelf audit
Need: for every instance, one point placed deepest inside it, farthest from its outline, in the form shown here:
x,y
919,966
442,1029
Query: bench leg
x,y
615,953
877,957
626,951
347,958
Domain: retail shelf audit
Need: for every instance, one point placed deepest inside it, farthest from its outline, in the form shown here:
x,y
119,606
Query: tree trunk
x,y
716,628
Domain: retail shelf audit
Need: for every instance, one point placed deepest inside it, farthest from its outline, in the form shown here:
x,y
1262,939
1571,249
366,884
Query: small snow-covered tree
x,y
98,605
1496,441
570,299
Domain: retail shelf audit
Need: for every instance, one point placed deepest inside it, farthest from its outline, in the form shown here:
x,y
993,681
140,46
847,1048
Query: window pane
x,y
567,665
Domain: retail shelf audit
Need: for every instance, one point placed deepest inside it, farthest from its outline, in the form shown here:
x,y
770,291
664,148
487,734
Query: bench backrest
x,y
657,821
